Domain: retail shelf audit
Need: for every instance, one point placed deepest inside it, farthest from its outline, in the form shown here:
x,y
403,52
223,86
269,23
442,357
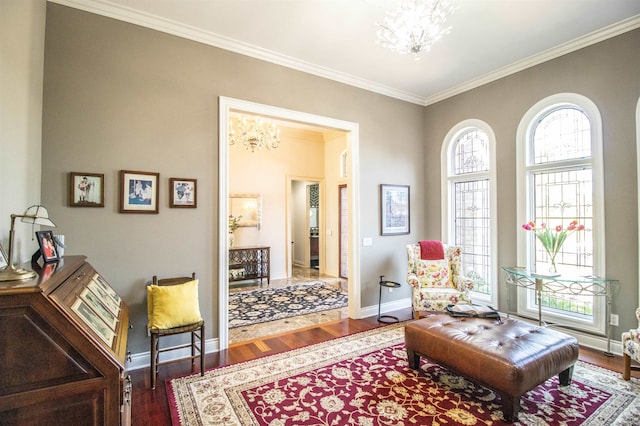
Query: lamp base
x,y
10,273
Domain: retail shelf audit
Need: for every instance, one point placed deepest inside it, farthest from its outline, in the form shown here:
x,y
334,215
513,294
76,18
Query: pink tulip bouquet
x,y
553,238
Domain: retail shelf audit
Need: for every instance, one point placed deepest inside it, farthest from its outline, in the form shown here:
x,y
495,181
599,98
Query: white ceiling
x,y
336,38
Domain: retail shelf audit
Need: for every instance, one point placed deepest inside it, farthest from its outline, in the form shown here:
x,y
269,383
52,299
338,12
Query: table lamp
x,y
35,215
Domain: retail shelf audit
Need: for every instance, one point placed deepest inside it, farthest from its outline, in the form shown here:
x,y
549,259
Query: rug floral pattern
x,y
256,306
365,380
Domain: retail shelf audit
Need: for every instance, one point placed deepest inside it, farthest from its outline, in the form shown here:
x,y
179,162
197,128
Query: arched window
x,y
560,182
469,212
638,171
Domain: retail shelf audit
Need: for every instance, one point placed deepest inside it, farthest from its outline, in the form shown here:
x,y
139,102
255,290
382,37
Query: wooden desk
x,y
61,363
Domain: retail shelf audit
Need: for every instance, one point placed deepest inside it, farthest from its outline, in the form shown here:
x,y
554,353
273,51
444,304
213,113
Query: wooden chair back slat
x,y
173,281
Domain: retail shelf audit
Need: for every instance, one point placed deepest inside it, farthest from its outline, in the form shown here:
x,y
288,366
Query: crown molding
x,y
597,36
132,16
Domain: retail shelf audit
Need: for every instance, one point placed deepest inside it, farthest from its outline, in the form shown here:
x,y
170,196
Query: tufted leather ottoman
x,y
511,357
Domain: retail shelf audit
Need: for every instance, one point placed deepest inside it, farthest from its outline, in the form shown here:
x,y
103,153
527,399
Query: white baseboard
x,y
143,359
396,305
584,339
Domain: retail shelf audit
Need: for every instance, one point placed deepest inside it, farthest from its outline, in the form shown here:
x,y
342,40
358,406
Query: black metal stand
x,y
387,319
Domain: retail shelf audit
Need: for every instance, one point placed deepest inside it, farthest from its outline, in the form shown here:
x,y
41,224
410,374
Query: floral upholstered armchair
x,y
631,348
436,283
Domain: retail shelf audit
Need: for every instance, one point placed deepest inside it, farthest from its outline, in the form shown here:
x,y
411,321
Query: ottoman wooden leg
x,y
565,376
414,359
510,408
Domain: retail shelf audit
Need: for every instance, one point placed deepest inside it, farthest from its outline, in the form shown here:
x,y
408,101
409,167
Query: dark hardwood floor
x,y
151,407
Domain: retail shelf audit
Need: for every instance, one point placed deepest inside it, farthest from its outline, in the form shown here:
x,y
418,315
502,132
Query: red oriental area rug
x,y
364,379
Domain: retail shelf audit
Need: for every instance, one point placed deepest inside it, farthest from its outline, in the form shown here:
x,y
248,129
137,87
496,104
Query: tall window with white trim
x,y
468,210
562,163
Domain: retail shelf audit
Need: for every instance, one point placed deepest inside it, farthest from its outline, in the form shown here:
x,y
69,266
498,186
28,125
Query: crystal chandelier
x,y
253,133
414,26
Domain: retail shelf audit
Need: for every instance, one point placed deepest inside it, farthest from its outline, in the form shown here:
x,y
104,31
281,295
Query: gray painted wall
x,y
118,96
608,73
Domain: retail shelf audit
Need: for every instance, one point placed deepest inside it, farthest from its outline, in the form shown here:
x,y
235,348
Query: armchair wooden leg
x,y
416,314
626,372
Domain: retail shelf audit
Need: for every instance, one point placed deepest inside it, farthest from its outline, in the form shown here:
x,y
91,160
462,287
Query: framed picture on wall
x,y
139,192
86,190
394,209
247,209
183,192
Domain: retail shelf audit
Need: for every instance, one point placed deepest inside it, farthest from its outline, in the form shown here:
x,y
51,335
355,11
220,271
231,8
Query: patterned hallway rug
x,y
364,379
256,306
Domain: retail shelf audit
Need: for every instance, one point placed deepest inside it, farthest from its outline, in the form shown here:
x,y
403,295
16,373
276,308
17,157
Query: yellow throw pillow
x,y
173,306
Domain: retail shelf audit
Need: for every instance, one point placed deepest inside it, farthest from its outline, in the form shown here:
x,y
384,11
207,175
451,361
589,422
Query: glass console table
x,y
557,284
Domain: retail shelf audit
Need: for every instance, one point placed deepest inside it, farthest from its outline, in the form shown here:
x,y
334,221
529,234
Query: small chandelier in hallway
x,y
253,133
414,26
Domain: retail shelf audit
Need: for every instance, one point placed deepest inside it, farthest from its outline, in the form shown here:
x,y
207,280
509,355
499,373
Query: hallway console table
x,y
557,284
63,347
249,263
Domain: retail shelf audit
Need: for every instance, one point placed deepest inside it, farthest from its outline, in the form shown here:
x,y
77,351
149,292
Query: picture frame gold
x,y
248,207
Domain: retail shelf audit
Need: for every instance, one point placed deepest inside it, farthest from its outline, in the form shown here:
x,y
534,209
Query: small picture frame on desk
x,y
47,245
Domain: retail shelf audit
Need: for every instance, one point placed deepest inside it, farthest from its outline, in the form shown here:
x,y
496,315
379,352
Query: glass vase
x,y
553,268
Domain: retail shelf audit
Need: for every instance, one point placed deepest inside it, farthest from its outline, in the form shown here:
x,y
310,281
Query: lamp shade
x,y
38,215
35,215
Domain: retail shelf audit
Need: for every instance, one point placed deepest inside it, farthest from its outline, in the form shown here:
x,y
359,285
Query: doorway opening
x,y
306,224
350,132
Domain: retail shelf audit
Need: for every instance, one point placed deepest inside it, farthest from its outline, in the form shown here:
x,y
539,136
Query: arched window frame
x,y
525,168
449,179
638,181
